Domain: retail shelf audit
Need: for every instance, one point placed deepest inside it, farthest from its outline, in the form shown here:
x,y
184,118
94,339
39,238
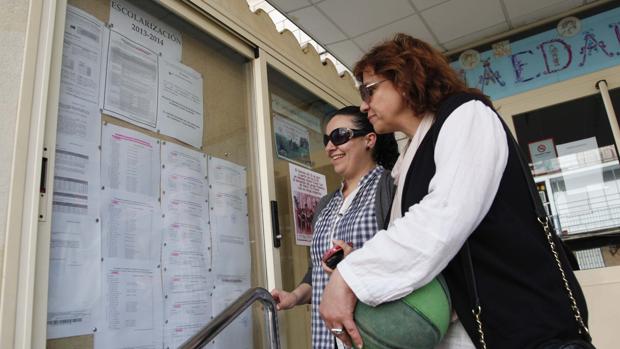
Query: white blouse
x,y
470,157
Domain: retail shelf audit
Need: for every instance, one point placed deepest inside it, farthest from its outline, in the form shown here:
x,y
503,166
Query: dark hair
x,y
385,151
421,72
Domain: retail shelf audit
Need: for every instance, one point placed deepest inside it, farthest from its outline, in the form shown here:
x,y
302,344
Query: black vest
x,y
521,291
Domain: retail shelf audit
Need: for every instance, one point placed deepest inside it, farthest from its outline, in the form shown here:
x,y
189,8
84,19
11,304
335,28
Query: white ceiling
x,y
348,28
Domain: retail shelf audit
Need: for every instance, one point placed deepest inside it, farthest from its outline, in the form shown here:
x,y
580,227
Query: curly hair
x,y
385,151
421,72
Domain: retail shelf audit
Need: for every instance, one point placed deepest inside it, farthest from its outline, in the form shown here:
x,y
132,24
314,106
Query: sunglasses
x,y
342,135
366,90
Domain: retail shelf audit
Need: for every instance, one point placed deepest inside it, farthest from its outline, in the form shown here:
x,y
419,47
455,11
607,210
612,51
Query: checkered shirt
x,y
356,225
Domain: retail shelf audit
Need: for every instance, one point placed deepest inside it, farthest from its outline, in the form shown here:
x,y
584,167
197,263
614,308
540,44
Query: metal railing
x,y
204,336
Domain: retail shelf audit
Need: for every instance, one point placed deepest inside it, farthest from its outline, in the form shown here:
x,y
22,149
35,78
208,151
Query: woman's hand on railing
x,y
284,300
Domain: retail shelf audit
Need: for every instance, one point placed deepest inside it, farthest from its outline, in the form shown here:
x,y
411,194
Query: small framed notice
x,y
543,155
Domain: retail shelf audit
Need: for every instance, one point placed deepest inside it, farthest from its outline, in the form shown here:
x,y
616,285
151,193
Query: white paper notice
x,y
133,306
184,177
578,154
186,255
79,116
186,259
75,246
76,179
129,161
185,317
180,108
131,227
131,240
307,188
229,222
78,119
238,334
131,82
145,29
581,154
75,254
184,197
583,180
81,55
75,250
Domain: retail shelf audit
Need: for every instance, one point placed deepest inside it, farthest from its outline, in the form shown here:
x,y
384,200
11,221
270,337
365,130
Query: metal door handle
x,y
275,224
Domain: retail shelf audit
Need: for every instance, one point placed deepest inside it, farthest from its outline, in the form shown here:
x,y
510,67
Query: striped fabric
x,y
356,225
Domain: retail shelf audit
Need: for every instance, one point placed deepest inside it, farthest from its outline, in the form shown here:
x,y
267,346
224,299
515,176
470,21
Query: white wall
x,y
601,288
12,36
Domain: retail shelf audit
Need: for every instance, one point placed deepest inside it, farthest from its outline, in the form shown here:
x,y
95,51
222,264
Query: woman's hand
x,y
346,248
287,300
284,300
336,309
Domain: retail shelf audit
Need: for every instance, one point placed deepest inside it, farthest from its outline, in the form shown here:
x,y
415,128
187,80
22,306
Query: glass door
x,y
296,119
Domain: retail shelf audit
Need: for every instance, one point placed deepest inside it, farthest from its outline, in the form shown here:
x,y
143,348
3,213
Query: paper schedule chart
x,y
186,245
75,245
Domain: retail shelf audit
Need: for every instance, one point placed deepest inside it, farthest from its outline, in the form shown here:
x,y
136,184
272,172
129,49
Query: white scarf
x,y
401,167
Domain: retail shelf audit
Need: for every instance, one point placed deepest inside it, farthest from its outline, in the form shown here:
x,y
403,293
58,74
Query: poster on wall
x,y
179,110
131,82
145,29
307,188
292,141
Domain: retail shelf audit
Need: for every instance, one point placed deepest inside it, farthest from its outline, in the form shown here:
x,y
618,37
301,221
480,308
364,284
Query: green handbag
x,y
416,321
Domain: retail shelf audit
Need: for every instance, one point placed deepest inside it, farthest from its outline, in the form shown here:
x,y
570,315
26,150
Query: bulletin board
x,y
227,110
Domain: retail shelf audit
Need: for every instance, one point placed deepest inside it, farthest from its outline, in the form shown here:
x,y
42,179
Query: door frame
x,y
265,61
19,302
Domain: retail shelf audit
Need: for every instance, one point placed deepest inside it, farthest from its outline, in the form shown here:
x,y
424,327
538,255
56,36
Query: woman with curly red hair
x,y
462,208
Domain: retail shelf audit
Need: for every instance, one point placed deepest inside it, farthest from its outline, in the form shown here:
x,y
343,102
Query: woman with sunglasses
x,y
353,213
462,208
